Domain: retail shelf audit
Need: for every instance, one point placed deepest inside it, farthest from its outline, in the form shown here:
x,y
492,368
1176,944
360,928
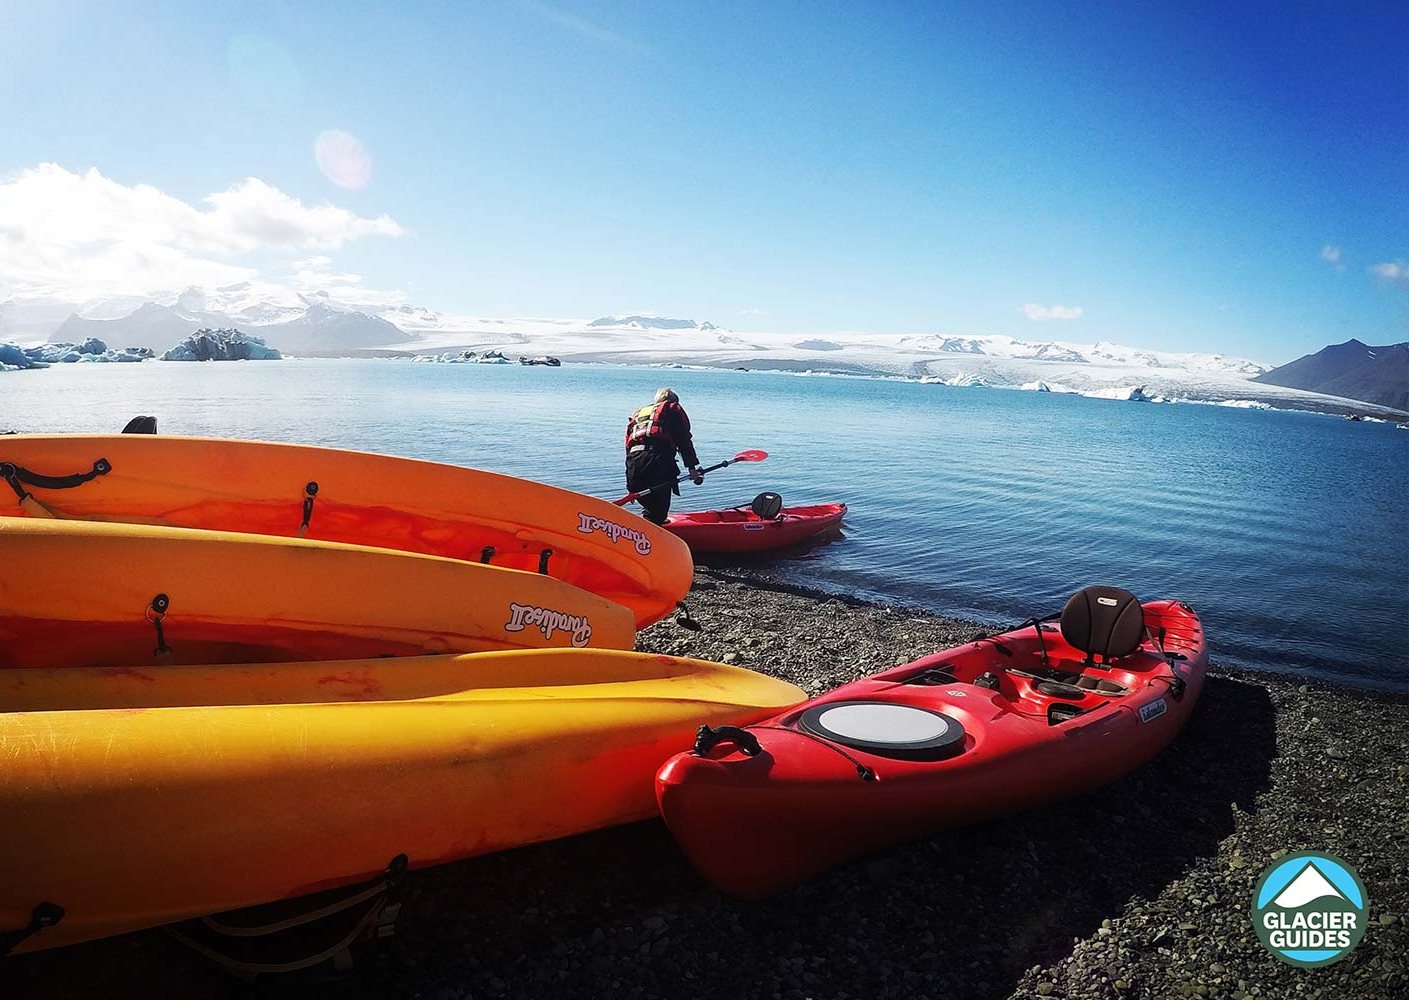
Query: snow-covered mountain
x,y
315,323
1309,885
650,322
1104,369
292,322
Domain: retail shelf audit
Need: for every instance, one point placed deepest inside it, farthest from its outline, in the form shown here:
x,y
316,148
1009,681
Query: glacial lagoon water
x,y
1288,532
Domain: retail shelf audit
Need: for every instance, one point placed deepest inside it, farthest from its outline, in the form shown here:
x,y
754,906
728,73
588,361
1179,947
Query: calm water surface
x,y
1289,533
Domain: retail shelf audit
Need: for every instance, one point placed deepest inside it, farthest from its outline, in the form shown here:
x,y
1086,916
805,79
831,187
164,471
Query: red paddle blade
x,y
750,456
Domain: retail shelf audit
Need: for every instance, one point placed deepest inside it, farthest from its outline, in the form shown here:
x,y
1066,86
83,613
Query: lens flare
x,y
343,159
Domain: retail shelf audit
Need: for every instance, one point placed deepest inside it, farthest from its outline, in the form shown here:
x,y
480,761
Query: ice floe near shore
x,y
463,358
965,381
1131,393
92,350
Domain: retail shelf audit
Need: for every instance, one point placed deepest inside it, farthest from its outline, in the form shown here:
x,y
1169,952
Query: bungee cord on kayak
x,y
212,524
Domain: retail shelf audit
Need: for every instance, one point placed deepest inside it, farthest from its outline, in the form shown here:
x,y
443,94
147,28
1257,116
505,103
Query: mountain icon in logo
x,y
1310,909
1308,885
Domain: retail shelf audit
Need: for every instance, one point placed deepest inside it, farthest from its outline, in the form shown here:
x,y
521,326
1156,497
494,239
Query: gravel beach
x,y
1140,890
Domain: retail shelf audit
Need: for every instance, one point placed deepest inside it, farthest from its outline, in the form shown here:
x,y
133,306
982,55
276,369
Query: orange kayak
x,y
76,593
136,796
353,497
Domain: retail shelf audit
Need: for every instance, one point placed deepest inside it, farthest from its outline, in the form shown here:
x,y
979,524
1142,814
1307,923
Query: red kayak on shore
x,y
744,530
999,725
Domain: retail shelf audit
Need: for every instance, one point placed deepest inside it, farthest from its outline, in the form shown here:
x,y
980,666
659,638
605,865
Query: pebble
x,y
1153,907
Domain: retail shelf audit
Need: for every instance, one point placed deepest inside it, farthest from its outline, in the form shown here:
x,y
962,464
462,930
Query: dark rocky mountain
x,y
321,328
324,329
153,326
1353,370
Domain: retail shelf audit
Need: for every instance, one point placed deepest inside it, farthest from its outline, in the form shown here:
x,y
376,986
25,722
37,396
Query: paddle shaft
x,y
674,482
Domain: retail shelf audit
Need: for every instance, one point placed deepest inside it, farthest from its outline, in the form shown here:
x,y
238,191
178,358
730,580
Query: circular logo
x,y
1310,908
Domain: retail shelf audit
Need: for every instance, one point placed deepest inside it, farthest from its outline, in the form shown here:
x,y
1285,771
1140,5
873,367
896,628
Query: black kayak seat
x,y
768,506
141,425
1105,622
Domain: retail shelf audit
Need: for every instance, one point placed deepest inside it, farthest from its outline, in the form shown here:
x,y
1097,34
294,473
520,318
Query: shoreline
x,y
1251,396
1263,396
1138,890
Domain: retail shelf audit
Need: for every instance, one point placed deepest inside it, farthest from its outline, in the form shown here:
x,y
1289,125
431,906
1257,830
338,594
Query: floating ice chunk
x,y
222,345
1133,394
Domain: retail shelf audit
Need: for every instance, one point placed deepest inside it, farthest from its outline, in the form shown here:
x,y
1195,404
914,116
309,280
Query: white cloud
x,y
1331,255
82,235
1396,272
1039,314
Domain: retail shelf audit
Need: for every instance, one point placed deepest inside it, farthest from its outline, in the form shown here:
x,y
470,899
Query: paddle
x,y
752,455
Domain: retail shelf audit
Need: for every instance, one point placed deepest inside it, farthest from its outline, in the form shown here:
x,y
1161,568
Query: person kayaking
x,y
654,434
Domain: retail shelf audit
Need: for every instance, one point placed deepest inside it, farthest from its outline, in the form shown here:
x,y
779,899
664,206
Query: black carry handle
x,y
707,738
43,916
16,474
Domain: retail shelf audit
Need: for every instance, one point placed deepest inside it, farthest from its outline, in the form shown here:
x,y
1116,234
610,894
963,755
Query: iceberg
x,y
968,380
90,350
13,359
222,345
1133,394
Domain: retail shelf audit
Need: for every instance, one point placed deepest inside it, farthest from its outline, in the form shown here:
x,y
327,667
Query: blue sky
x,y
1198,179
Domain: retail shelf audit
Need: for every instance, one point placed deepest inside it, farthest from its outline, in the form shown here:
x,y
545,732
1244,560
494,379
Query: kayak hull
x,y
362,499
138,796
758,825
743,531
81,594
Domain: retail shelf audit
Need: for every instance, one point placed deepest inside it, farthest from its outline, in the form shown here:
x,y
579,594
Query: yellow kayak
x,y
74,593
132,797
353,497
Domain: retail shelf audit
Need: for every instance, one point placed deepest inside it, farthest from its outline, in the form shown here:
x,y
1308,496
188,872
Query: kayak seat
x,y
768,506
1104,622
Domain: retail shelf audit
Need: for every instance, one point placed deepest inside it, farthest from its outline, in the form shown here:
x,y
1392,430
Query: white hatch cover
x,y
887,728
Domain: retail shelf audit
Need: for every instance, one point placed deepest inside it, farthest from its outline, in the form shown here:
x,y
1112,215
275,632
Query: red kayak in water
x,y
744,530
997,726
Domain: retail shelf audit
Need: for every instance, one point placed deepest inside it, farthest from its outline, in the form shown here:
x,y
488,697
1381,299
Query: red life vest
x,y
645,426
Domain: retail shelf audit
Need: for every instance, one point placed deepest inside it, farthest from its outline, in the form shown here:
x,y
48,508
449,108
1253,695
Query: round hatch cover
x,y
886,728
